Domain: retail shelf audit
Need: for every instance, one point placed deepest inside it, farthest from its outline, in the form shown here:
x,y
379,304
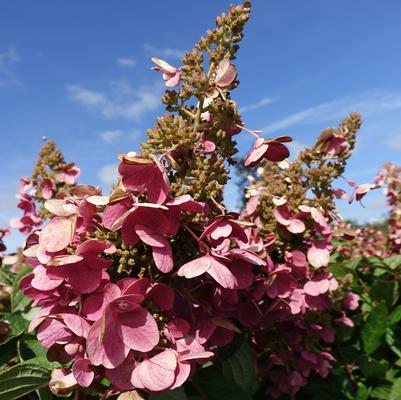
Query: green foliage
x,y
24,367
368,355
22,379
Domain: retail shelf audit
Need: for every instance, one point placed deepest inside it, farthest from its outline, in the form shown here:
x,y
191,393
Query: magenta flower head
x,y
331,142
171,75
124,325
361,190
142,174
226,73
269,149
68,174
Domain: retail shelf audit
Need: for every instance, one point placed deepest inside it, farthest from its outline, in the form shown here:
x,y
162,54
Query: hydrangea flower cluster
x,y
51,177
292,205
373,239
138,287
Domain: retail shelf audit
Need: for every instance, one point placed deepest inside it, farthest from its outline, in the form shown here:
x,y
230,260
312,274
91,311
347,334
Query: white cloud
x,y
253,106
367,103
7,60
126,62
109,174
121,101
110,136
166,52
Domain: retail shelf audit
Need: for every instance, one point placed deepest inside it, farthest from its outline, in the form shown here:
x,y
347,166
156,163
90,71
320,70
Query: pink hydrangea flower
x,y
68,174
269,149
123,325
171,75
211,265
142,174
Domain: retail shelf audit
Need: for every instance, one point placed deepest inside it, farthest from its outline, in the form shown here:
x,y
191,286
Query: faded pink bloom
x,y
25,184
320,284
360,190
68,174
351,301
124,325
142,174
339,193
223,227
282,283
83,373
225,73
214,267
286,218
269,149
331,141
319,254
47,186
57,234
171,75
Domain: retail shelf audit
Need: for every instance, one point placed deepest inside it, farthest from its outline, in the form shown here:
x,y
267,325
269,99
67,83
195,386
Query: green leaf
x,y
394,341
22,379
8,349
17,322
374,328
381,392
214,386
363,392
18,300
30,349
395,393
44,393
6,277
372,368
385,290
353,263
238,366
395,316
176,394
393,262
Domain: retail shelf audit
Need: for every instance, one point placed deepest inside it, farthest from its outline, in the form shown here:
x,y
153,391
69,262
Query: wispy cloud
x,y
166,52
393,141
253,106
110,136
120,101
126,62
109,174
7,60
368,103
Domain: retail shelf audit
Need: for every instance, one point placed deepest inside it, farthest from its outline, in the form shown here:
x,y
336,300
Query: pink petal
x,y
108,350
120,377
222,275
296,226
57,234
138,330
178,328
162,295
223,229
156,373
163,257
83,373
195,267
42,281
76,324
174,80
150,237
318,254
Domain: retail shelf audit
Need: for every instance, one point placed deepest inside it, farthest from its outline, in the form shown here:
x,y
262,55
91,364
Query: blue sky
x,y
78,73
